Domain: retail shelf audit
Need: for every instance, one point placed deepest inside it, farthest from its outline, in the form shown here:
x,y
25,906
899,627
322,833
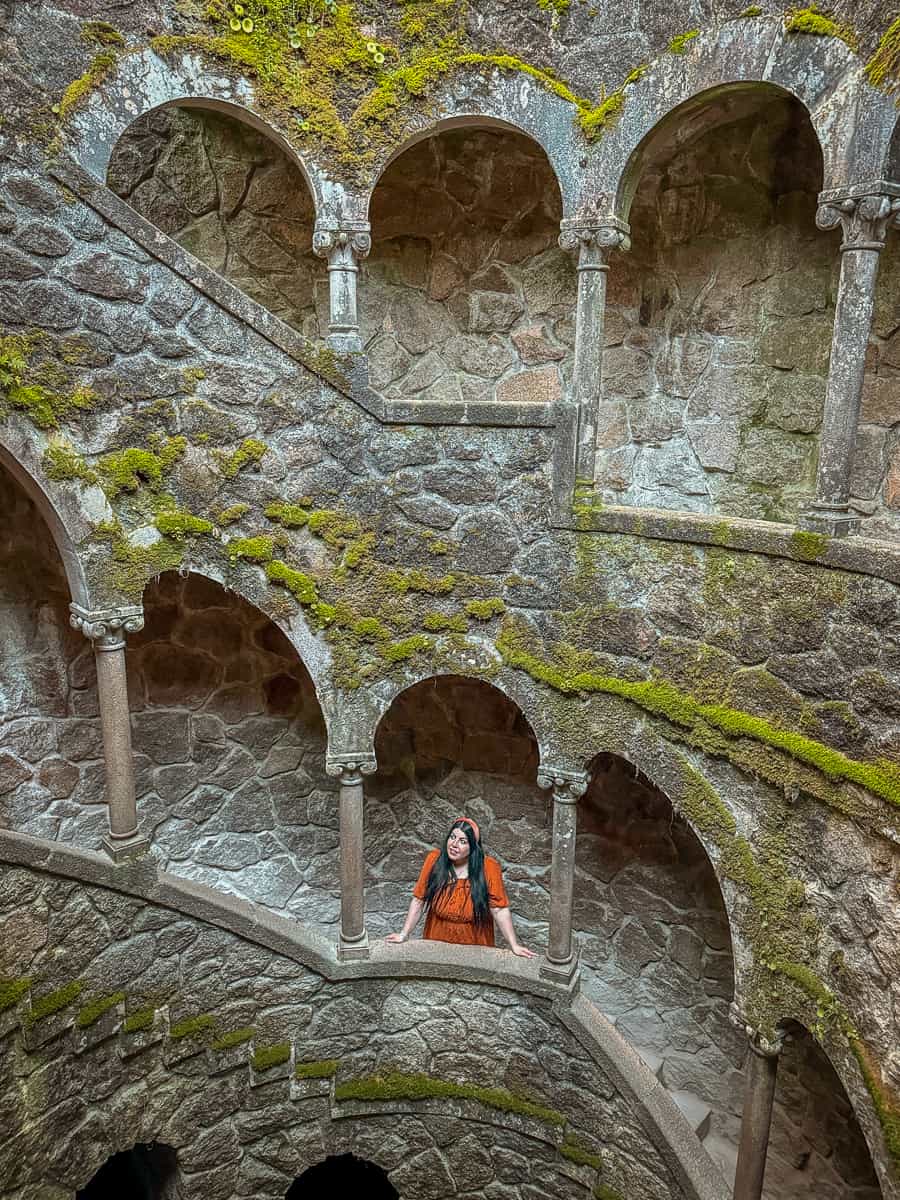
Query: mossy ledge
x,y
54,1002
12,991
92,1012
883,68
266,1057
662,699
193,1027
811,20
139,1020
324,1068
235,1037
395,1086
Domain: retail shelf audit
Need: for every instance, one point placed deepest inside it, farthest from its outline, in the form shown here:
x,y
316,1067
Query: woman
x,y
462,892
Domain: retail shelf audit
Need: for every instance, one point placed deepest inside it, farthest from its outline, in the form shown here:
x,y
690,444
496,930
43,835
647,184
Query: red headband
x,y
469,821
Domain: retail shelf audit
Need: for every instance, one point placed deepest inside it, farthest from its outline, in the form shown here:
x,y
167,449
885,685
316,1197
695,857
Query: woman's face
x,y
458,847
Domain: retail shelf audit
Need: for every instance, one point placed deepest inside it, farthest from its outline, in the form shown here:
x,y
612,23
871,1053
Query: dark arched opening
x,y
145,1172
357,1175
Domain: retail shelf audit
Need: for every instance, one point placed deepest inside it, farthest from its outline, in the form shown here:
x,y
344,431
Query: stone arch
x,y
147,1170
452,744
824,1110
143,82
62,508
465,272
692,116
485,116
892,159
233,195
852,125
230,746
319,1181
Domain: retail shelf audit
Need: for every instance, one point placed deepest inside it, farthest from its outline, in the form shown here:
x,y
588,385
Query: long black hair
x,y
443,877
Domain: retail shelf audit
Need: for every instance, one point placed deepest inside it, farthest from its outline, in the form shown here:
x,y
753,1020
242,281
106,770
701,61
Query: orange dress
x,y
451,917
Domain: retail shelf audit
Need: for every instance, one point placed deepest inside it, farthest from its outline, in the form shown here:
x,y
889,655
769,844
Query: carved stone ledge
x,y
350,768
865,214
353,240
568,786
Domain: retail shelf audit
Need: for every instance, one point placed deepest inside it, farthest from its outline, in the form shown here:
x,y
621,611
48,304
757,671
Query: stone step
x,y
724,1155
696,1111
652,1058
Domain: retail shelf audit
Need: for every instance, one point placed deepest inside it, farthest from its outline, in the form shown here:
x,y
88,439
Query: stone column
x,y
350,770
594,240
568,787
343,248
107,629
759,1094
864,214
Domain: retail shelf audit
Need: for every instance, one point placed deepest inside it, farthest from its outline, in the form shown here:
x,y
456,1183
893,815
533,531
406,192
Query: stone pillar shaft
x,y
567,787
107,630
864,218
593,241
759,1096
343,248
354,942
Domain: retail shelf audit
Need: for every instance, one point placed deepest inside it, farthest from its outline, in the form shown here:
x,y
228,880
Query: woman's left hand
x,y
522,951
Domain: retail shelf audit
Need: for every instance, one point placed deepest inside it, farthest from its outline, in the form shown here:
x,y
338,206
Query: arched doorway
x,y
145,1172
342,1171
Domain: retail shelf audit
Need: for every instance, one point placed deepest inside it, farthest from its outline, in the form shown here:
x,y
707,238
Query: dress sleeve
x,y
493,877
430,859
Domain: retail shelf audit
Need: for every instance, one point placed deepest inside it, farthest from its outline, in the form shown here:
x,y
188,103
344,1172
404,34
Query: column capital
x,y
350,768
760,1044
594,239
864,211
107,627
568,786
352,237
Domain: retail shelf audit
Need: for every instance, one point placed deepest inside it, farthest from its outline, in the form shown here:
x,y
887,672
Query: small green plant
x,y
679,43
248,454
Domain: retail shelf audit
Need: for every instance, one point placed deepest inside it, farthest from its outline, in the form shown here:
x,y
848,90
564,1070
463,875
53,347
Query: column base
x,y
125,849
348,951
345,343
562,973
833,522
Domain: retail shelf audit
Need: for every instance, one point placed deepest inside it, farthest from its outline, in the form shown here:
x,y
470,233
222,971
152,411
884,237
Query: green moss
x,y
436,622
752,10
370,629
808,547
571,674
484,610
12,991
333,527
576,1153
267,1057
128,470
290,516
883,68
559,6
235,1037
358,551
79,89
32,382
325,1068
140,1020
604,1192
62,463
811,20
394,1086
416,580
91,1013
248,454
232,514
101,33
176,523
679,43
301,586
193,1027
54,1002
252,549
397,652
130,566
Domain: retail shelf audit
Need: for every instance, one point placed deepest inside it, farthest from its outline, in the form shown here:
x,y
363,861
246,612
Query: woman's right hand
x,y
397,937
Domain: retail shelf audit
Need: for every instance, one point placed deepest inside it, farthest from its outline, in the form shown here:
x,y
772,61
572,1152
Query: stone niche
x,y
232,197
720,318
466,294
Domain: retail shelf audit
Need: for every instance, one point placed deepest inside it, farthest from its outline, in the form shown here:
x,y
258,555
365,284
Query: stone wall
x,y
51,754
466,294
232,197
235,1132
